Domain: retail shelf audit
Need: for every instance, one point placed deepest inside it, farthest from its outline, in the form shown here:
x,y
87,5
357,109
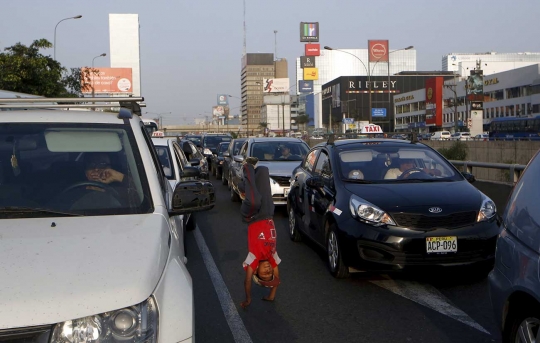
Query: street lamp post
x,y
93,91
76,17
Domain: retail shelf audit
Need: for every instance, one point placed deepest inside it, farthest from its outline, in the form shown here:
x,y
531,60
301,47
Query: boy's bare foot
x,y
268,299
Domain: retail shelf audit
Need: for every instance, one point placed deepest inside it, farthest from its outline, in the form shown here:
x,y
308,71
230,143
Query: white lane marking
x,y
428,296
236,324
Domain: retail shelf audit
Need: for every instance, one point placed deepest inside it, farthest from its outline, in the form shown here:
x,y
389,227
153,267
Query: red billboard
x,y
378,50
106,80
313,50
434,101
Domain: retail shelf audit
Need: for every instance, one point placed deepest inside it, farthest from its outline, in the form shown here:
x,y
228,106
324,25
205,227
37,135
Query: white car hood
x,y
57,269
279,168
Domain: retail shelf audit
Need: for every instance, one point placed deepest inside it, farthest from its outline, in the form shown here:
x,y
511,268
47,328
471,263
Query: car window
x,y
522,214
182,160
89,169
386,162
279,150
323,166
235,150
213,141
243,150
309,162
165,159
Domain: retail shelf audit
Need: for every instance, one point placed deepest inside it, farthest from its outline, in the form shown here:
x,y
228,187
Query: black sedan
x,y
216,166
386,204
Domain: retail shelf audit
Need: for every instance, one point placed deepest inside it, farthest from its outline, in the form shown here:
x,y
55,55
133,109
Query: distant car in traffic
x,y
515,280
460,136
281,155
217,159
440,136
386,204
481,137
195,157
210,142
234,149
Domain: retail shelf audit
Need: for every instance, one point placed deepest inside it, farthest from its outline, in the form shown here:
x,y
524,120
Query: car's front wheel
x,y
523,325
294,233
333,250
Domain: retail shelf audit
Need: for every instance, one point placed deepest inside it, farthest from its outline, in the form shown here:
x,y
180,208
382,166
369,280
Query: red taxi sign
x,y
372,128
158,134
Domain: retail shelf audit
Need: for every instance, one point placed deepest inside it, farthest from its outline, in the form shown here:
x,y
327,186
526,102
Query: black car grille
x,y
418,221
38,334
282,180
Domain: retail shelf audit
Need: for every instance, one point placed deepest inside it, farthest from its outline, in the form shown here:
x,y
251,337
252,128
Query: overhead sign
x,y
348,120
475,85
307,62
106,80
372,128
276,85
218,111
305,86
434,101
309,32
222,99
477,105
311,74
378,50
378,112
313,50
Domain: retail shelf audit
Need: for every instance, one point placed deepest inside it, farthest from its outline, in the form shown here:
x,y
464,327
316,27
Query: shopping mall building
x,y
512,93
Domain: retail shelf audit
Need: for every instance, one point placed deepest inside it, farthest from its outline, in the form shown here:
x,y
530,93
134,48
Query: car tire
x,y
294,232
191,224
524,317
334,255
223,179
234,197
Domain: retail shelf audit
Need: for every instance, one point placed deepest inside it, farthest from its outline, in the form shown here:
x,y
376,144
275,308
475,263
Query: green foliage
x,y
234,135
24,69
457,151
263,125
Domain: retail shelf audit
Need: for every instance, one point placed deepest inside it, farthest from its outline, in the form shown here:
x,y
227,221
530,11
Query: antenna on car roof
x,y
331,139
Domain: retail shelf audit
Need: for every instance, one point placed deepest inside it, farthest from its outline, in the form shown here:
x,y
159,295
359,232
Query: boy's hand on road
x,y
246,303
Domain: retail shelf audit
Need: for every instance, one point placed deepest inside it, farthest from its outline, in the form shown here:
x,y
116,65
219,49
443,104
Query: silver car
x,y
281,155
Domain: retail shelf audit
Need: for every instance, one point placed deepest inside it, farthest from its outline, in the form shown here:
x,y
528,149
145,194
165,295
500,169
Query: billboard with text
x,y
276,85
106,80
378,50
434,101
312,50
305,86
309,32
311,74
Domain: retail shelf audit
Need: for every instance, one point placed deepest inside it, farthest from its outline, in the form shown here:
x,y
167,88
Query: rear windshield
x,y
213,141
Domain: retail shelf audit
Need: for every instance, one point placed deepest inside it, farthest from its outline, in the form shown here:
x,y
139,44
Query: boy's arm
x,y
247,286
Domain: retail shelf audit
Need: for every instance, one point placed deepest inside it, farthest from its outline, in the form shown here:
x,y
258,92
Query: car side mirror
x,y
469,177
195,161
192,196
226,154
190,172
239,158
315,182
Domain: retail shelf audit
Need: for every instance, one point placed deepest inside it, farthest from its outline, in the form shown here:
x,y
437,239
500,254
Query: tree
x,y
263,125
78,80
302,119
24,69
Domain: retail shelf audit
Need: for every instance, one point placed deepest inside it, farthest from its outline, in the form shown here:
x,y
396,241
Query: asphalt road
x,y
312,306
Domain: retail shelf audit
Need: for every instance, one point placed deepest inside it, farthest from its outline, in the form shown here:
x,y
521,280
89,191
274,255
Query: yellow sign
x,y
491,82
405,98
311,73
430,93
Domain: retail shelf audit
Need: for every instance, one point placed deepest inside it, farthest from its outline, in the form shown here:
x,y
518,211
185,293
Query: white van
x,y
440,136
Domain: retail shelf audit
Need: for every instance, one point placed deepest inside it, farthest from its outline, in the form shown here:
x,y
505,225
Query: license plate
x,y
441,245
285,192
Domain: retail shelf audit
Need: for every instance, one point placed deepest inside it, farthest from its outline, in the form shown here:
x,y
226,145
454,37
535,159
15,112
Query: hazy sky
x,y
191,50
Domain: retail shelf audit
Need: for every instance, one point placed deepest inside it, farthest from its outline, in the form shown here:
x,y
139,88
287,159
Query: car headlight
x,y
369,213
488,209
207,151
132,324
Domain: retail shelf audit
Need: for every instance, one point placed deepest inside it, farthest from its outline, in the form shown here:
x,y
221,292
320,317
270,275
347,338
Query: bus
x,y
150,125
514,128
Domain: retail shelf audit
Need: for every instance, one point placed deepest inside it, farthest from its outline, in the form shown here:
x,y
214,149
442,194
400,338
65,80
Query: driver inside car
x,y
408,164
105,187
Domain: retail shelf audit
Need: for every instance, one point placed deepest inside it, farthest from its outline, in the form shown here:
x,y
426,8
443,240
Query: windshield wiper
x,y
359,181
20,209
418,180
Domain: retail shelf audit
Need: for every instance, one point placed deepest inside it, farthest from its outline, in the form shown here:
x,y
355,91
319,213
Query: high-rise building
x,y
124,46
332,64
491,62
281,69
255,68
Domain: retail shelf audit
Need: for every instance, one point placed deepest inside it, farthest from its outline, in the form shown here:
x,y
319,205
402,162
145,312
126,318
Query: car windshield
x,y
195,139
165,160
385,163
84,169
222,148
213,141
237,145
279,151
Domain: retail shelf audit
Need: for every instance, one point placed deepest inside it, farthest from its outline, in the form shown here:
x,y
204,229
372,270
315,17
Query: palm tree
x,y
263,125
302,119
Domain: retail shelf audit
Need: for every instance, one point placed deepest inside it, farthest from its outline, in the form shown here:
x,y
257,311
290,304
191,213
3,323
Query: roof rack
x,y
131,103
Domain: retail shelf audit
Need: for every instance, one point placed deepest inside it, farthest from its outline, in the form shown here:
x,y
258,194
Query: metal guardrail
x,y
515,169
